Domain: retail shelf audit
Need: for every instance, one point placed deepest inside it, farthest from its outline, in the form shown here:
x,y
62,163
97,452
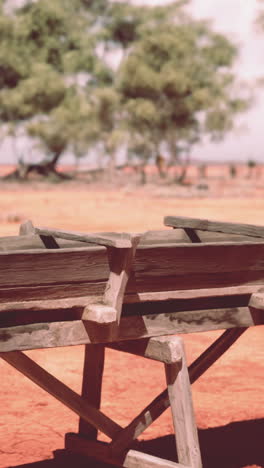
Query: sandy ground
x,y
228,399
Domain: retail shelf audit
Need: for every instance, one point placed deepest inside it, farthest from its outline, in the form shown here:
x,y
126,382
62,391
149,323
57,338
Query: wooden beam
x,y
193,236
148,239
214,226
81,271
121,265
54,334
191,294
160,348
92,384
54,291
143,303
70,303
99,314
53,267
61,392
180,398
26,228
118,240
214,352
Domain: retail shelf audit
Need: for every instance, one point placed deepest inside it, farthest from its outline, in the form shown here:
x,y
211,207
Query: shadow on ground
x,y
235,445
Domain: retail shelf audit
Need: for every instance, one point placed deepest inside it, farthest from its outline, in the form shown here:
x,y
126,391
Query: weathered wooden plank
x,y
49,335
32,242
52,305
215,297
149,238
54,310
52,267
156,269
92,384
119,240
71,308
215,226
61,392
214,352
192,294
54,292
180,397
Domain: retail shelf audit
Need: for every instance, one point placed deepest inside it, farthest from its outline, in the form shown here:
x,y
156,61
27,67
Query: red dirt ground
x,y
228,399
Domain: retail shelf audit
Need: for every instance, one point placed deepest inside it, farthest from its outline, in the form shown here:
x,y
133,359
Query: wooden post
x,y
26,228
92,384
179,391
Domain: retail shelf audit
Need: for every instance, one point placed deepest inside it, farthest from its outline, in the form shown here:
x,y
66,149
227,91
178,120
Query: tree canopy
x,y
60,77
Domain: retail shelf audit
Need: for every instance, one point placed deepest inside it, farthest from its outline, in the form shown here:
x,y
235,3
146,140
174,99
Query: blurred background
x,y
114,114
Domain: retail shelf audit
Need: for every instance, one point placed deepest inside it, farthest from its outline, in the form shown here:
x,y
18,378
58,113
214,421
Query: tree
x,y
58,80
46,58
176,85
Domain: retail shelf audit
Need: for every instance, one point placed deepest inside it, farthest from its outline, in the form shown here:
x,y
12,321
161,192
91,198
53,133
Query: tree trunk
x,y
161,166
45,168
111,166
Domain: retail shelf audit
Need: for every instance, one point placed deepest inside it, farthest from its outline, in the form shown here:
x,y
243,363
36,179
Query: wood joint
x,y
120,263
166,349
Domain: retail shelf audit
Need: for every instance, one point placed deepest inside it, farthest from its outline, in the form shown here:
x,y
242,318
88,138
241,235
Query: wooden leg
x,y
171,351
92,384
179,392
157,407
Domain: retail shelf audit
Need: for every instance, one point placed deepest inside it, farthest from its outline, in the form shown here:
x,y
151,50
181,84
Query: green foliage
x,y
176,85
173,83
44,46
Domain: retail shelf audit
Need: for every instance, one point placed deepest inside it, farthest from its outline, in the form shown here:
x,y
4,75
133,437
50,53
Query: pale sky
x,y
236,19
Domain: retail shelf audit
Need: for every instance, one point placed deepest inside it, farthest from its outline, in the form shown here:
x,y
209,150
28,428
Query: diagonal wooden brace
x,y
181,222
61,392
117,240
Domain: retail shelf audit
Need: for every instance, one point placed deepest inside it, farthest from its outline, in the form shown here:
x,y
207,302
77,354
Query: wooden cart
x,y
132,293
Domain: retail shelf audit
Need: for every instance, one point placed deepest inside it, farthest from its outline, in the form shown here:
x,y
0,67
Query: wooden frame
x,y
193,224
168,350
137,290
